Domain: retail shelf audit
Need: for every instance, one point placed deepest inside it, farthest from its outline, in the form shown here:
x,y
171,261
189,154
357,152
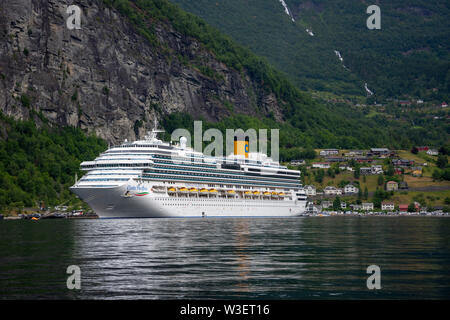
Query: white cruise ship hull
x,y
112,203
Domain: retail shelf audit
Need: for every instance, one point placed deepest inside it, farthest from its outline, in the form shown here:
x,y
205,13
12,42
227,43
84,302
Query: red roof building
x,y
403,208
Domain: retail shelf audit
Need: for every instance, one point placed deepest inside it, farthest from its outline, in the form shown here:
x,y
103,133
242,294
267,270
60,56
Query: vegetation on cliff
x,y
38,165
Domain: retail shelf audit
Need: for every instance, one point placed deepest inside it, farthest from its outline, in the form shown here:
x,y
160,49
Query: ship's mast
x,y
152,135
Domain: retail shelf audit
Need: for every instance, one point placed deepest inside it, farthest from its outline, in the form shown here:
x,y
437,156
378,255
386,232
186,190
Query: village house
x,y
387,206
367,206
416,171
404,103
365,171
402,162
444,105
391,186
380,151
313,208
422,148
329,152
330,190
335,159
327,204
297,162
310,190
343,205
356,207
350,189
363,160
377,169
344,167
354,153
432,152
321,165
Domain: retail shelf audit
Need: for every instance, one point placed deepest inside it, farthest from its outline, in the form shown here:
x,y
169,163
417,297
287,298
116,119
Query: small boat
x,y
127,194
34,218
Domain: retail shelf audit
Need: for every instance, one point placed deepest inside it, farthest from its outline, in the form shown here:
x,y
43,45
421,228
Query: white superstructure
x,y
152,178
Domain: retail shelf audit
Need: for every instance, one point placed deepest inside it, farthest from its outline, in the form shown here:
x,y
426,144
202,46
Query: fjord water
x,y
291,258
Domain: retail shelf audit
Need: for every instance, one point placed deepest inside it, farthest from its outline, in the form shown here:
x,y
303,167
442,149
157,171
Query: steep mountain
x,y
132,61
114,74
325,45
62,90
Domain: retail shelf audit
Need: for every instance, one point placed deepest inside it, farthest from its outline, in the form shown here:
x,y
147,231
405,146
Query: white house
x,y
387,206
350,189
356,206
367,206
310,190
297,162
322,165
377,169
432,152
329,152
330,190
326,204
343,205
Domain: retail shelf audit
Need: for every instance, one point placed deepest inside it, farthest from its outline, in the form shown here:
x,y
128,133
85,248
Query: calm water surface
x,y
291,258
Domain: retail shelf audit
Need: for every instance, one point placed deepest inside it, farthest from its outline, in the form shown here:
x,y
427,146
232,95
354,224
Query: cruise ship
x,y
150,178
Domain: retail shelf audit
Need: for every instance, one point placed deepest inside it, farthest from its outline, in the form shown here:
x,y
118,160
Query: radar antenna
x,y
152,135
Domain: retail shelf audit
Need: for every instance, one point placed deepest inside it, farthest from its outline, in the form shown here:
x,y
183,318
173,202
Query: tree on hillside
x,y
414,150
356,172
380,180
337,204
442,161
366,193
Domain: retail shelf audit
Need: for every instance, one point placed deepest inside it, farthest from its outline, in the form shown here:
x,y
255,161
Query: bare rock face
x,y
106,77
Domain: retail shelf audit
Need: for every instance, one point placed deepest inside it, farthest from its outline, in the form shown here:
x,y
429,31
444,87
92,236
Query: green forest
x,y
38,165
409,55
309,123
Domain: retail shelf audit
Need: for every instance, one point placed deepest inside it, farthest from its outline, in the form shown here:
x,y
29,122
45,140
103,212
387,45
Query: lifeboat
x,y
203,190
256,193
213,190
158,189
193,190
231,192
274,194
248,192
266,193
281,194
172,189
183,189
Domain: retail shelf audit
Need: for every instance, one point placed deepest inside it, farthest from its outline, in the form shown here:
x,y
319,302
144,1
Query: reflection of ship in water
x,y
241,247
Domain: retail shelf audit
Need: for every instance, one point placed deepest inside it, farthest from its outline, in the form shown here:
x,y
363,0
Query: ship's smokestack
x,y
241,146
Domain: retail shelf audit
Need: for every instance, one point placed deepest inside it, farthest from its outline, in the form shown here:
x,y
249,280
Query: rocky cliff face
x,y
108,78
